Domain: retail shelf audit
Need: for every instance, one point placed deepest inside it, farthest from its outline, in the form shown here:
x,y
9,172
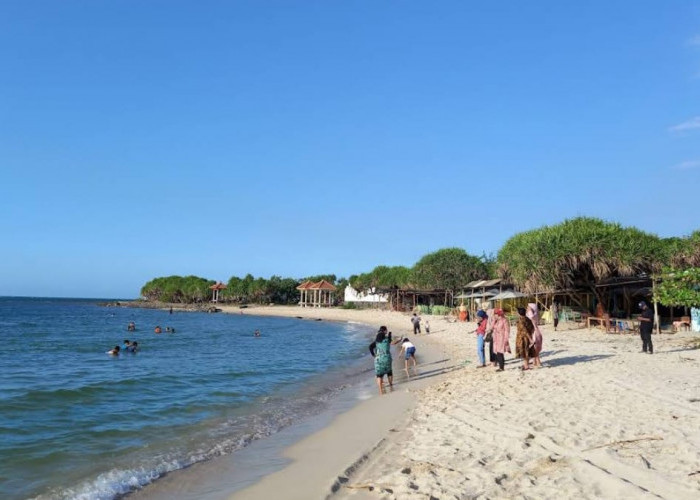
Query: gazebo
x,y
215,289
316,294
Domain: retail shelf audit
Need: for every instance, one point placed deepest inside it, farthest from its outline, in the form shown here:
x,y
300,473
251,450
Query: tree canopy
x,y
177,289
679,287
577,253
383,277
448,269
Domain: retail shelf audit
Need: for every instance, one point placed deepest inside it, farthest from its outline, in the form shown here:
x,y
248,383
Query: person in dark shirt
x,y
646,325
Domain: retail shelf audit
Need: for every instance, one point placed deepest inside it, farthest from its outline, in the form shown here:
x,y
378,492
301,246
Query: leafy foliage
x,y
578,252
679,287
448,269
383,277
177,289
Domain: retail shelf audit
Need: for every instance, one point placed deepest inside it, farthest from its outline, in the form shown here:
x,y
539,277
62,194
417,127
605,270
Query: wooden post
x,y
656,307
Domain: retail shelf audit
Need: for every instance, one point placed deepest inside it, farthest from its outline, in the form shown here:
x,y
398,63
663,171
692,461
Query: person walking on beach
x,y
523,339
555,314
409,352
490,318
646,325
501,338
380,350
534,315
415,319
482,321
427,327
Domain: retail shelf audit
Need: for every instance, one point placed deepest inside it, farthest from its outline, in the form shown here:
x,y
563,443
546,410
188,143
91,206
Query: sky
x,y
293,138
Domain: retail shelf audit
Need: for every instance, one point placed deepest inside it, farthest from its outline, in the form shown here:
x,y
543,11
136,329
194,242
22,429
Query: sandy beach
x,y
599,420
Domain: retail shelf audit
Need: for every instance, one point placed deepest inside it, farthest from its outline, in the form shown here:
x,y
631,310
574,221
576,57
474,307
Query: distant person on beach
x,y
481,322
555,314
501,337
380,349
171,310
534,315
463,312
415,319
490,318
114,352
523,341
409,352
646,325
427,326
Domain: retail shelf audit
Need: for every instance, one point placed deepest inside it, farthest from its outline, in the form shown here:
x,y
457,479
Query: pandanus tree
x,y
383,277
578,253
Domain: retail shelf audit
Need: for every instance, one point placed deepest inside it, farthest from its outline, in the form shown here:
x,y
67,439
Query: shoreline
x,y
600,420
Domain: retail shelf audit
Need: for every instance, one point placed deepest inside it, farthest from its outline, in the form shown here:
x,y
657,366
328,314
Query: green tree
x,y
576,253
679,287
449,269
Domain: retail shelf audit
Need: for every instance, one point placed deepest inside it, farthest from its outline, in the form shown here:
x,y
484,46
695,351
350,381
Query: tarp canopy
x,y
509,294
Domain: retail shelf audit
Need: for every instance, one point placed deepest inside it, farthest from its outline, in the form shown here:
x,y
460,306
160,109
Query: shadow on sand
x,y
572,360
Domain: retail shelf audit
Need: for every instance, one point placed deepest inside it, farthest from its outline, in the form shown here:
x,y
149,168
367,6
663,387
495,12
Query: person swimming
x,y
115,351
131,327
256,333
158,329
133,348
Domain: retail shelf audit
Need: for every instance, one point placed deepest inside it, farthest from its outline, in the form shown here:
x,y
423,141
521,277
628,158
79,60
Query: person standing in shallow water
x,y
380,350
646,325
523,339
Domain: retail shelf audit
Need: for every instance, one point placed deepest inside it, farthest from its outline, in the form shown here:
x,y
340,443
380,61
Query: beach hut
x,y
316,294
215,289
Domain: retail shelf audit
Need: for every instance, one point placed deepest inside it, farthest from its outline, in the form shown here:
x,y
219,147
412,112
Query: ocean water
x,y
78,423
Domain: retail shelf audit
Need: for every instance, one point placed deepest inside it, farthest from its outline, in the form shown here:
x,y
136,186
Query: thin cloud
x,y
692,124
695,41
687,165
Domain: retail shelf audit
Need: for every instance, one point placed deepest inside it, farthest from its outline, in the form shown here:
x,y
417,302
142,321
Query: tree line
x,y
576,253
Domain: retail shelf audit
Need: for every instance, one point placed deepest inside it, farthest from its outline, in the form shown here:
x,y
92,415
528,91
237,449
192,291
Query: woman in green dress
x,y
381,351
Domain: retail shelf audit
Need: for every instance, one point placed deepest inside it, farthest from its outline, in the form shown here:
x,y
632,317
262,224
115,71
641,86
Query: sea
x,y
79,423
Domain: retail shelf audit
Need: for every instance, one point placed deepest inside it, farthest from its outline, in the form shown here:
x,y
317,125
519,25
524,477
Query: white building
x,y
352,295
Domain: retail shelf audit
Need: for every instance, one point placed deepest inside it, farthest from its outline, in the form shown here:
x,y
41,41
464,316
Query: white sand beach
x,y
599,420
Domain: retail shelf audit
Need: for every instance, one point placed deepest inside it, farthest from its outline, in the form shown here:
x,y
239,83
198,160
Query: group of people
x,y
168,329
129,346
494,329
415,320
380,350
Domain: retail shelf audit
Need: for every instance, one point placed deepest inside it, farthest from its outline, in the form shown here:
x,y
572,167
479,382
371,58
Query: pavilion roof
x,y
306,285
218,286
323,285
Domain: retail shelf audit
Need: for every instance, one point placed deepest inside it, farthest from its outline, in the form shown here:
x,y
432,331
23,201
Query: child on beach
x,y
409,352
427,326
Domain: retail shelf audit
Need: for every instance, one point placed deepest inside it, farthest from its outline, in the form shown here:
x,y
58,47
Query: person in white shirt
x,y
409,352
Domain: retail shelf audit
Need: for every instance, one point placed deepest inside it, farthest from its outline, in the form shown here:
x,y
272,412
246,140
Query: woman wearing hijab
x,y
490,318
482,321
381,352
501,336
534,315
523,340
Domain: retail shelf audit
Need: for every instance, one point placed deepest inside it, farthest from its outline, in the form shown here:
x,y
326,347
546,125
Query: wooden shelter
x,y
316,294
215,289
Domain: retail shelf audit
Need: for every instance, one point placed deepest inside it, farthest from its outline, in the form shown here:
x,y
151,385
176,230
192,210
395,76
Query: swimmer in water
x,y
127,343
133,348
131,327
114,352
158,329
256,333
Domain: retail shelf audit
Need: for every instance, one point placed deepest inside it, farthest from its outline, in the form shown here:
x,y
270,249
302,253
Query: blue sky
x,y
216,138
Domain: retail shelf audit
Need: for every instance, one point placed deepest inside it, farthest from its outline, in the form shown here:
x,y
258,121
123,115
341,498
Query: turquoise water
x,y
78,423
